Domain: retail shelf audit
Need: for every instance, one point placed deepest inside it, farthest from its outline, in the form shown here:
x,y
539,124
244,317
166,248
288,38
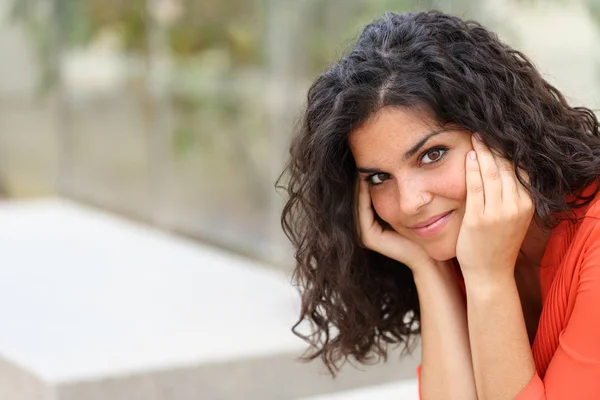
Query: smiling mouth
x,y
430,221
432,226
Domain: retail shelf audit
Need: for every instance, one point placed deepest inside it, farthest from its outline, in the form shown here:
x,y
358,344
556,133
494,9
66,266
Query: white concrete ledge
x,y
94,306
402,390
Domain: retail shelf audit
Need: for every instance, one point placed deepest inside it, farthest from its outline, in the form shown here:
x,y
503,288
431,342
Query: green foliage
x,y
593,7
202,25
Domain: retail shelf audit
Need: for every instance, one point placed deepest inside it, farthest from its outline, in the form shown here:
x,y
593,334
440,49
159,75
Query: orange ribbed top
x,y
566,348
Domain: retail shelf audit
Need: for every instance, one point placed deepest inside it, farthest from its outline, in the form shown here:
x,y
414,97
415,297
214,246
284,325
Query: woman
x,y
440,187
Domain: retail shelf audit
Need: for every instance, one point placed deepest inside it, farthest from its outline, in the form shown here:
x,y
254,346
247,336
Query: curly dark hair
x,y
359,302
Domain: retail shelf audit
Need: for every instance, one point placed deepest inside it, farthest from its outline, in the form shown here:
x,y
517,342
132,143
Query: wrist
x,y
438,287
488,283
435,271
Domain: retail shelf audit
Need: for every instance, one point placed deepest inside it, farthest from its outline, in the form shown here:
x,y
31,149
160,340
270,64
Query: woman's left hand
x,y
497,216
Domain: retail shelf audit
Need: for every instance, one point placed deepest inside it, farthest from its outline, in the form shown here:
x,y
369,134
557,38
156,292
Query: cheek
x,y
448,182
451,181
385,204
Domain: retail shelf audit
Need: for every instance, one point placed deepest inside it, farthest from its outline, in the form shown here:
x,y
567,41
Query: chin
x,y
442,253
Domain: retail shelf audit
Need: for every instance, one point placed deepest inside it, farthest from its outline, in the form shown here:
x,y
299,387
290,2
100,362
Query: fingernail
x,y
472,155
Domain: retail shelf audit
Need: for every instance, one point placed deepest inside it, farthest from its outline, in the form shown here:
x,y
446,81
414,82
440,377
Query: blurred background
x,y
175,116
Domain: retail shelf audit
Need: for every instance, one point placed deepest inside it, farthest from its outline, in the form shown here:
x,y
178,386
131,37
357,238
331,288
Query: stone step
x,y
402,390
94,306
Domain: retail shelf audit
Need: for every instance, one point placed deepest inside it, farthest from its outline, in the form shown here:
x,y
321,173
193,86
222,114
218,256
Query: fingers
x,y
364,210
510,184
356,206
490,175
499,183
522,190
475,196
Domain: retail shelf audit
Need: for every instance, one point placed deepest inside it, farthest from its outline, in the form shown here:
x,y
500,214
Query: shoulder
x,y
571,240
593,210
589,217
586,240
588,236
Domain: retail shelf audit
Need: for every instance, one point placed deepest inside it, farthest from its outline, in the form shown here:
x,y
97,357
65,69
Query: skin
x,y
415,189
491,222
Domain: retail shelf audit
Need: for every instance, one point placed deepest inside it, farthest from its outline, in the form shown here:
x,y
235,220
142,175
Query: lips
x,y
430,221
433,226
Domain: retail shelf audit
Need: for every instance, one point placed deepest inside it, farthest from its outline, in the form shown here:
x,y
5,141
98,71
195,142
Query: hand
x,y
387,242
497,216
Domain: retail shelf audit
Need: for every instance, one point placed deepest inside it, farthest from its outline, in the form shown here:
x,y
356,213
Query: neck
x,y
534,245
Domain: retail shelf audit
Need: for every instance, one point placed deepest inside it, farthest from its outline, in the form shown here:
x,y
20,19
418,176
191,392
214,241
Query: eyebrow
x,y
417,146
409,153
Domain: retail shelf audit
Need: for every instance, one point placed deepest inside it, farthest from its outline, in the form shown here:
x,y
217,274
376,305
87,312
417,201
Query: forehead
x,y
391,128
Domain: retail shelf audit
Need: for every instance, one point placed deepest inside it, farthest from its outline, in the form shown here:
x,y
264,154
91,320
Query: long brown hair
x,y
357,301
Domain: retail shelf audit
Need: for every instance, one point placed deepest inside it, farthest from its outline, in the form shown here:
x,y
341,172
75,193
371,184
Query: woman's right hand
x,y
387,242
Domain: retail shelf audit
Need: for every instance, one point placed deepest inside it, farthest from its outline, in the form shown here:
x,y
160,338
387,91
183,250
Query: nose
x,y
412,195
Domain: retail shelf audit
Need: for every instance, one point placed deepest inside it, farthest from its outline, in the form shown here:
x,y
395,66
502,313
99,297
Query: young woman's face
x,y
416,174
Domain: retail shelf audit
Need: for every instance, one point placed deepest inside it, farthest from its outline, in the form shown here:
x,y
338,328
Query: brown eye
x,y
434,155
377,179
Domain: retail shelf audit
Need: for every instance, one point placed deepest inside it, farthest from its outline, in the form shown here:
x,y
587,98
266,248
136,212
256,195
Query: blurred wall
x,y
28,156
179,112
